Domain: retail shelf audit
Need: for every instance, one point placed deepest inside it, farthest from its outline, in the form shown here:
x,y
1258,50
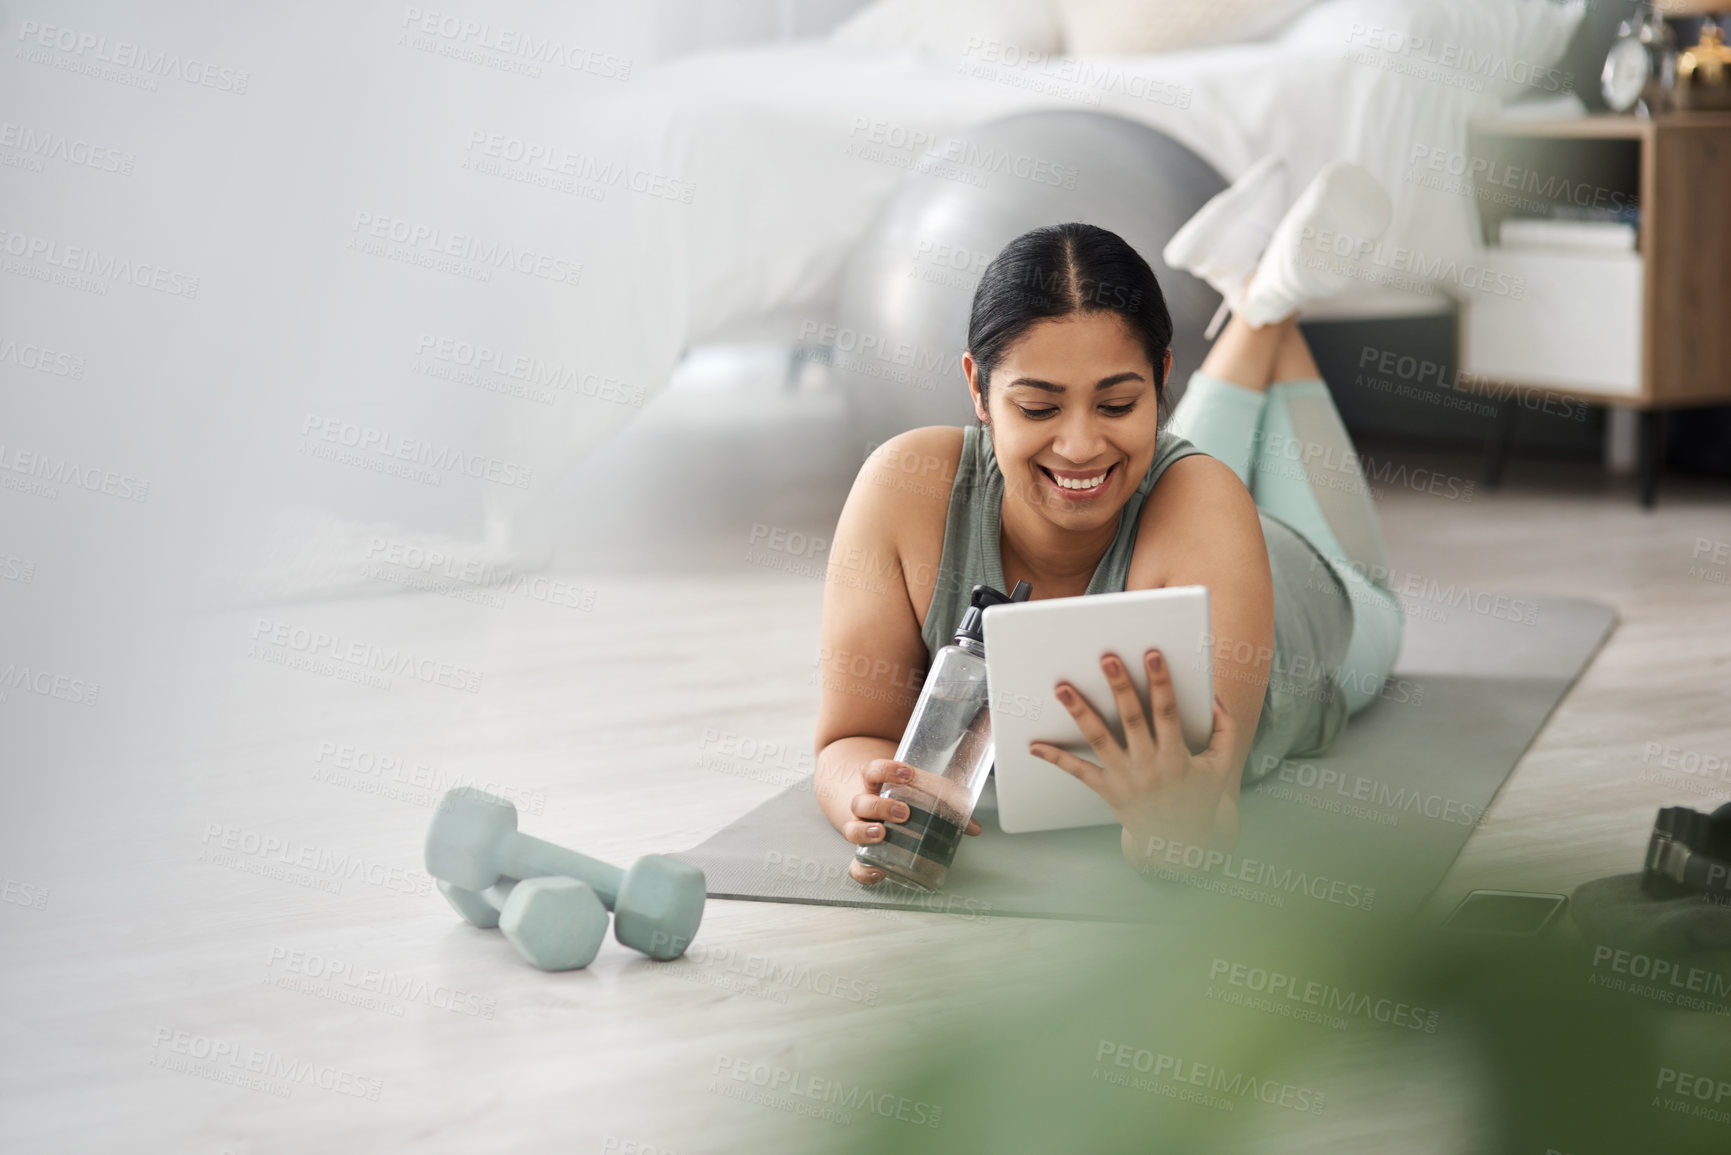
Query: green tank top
x,y
974,526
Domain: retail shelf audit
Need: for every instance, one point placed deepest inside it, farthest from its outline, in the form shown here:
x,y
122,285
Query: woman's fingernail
x,y
1113,665
875,831
903,774
1064,694
899,812
1155,661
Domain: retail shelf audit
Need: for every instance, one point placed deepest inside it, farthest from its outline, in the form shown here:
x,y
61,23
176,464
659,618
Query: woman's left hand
x,y
1155,786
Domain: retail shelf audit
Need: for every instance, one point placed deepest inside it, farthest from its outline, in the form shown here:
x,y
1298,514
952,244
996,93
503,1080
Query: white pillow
x,y
952,28
1138,27
1505,48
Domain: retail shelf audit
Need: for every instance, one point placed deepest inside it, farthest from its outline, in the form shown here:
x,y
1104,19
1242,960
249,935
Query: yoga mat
x,y
1369,829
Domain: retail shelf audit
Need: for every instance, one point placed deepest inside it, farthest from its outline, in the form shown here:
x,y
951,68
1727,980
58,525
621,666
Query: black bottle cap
x,y
973,621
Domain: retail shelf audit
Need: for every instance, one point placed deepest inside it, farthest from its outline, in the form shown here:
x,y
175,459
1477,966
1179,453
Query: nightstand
x,y
1644,331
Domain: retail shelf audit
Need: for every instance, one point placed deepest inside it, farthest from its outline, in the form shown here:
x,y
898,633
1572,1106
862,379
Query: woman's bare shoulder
x,y
1199,511
902,498
921,462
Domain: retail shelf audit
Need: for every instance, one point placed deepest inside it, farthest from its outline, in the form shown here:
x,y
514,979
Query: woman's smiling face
x,y
1074,414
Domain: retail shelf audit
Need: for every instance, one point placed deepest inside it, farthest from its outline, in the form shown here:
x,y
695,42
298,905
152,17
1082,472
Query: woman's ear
x,y
1166,370
972,369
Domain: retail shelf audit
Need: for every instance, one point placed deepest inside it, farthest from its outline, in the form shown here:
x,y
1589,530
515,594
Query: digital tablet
x,y
1031,646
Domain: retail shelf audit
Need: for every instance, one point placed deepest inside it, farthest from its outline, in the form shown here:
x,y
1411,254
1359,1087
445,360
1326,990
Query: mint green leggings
x,y
1291,449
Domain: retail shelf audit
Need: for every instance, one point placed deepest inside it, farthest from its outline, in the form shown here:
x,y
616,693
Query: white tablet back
x,y
1031,646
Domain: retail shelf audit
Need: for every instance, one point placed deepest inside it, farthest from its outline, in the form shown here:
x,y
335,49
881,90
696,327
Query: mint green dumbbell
x,y
473,843
556,924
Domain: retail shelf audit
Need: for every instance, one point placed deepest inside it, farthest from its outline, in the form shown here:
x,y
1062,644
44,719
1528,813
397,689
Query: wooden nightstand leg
x,y
1502,438
1652,454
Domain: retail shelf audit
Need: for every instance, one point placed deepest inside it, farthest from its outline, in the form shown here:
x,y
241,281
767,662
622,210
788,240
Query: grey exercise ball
x,y
902,317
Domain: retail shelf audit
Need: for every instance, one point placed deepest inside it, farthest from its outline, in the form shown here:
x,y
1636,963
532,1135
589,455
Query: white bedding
x,y
763,136
409,234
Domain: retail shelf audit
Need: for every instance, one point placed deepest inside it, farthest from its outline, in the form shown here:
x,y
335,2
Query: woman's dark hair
x,y
1060,270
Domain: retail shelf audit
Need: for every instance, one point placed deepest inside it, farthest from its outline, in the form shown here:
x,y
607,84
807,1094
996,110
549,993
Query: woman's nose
x,y
1078,438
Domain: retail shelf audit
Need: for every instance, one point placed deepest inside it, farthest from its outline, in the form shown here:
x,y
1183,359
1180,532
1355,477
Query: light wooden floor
x,y
611,723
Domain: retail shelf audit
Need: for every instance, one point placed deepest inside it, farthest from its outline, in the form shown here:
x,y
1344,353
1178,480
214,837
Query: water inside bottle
x,y
952,749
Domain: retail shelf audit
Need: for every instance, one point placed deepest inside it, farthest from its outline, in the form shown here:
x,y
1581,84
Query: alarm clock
x,y
1640,68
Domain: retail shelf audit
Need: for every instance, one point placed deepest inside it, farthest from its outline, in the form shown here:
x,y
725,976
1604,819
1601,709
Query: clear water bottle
x,y
948,742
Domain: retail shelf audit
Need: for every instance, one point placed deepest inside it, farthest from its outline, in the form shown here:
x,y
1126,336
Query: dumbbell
x,y
557,924
474,842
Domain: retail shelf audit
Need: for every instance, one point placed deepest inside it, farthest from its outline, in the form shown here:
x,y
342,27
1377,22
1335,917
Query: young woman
x,y
1072,482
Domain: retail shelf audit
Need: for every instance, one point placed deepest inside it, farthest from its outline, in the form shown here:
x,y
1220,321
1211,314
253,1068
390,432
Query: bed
x,y
591,228
782,154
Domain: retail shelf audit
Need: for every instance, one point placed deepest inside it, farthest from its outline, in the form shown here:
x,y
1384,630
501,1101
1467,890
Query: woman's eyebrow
x,y
1102,383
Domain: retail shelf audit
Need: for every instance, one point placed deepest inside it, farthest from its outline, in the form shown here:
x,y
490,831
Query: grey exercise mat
x,y
1369,828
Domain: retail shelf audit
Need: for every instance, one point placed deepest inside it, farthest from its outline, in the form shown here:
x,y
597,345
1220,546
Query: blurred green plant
x,y
1239,1029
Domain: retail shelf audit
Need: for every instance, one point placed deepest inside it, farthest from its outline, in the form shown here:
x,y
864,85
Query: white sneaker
x,y
1224,240
1302,263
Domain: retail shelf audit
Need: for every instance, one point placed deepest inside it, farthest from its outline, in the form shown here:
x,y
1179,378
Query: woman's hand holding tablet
x,y
1162,794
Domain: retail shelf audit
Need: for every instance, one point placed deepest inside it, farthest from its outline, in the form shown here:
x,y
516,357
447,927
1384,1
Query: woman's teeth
x,y
1078,483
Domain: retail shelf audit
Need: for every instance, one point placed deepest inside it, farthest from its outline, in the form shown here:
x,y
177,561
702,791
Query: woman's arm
x,y
871,662
1199,527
